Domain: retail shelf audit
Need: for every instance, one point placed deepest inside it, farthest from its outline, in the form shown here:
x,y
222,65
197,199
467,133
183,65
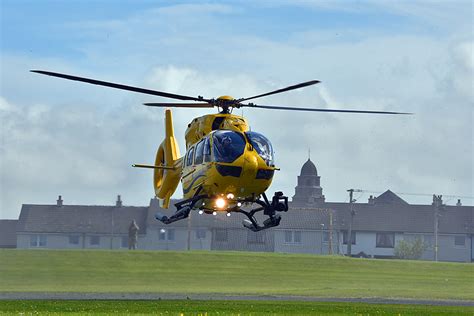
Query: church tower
x,y
308,191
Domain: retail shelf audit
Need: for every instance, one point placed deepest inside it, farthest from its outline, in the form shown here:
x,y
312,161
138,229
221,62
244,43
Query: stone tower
x,y
308,191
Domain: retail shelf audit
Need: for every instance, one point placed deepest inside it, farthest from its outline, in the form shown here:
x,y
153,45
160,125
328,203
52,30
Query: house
x,y
8,233
312,225
77,226
382,222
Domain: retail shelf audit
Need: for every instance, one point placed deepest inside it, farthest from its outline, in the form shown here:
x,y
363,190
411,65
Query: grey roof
x,y
388,197
80,219
404,218
386,214
8,233
309,169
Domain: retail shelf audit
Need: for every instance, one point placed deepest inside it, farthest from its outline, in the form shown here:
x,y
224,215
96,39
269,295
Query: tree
x,y
410,249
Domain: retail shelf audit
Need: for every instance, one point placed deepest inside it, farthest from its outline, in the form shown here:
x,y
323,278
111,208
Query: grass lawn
x,y
231,273
221,308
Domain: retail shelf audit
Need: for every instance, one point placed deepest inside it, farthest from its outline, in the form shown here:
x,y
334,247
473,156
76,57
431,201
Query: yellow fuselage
x,y
243,179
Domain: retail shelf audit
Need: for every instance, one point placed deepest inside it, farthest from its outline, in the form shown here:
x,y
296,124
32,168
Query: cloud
x,y
79,140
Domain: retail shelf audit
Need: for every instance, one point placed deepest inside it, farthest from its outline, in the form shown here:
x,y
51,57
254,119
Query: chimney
x,y
459,203
119,201
371,200
59,201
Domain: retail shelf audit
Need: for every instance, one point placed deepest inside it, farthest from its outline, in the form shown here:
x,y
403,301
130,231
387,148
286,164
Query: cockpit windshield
x,y
227,145
262,145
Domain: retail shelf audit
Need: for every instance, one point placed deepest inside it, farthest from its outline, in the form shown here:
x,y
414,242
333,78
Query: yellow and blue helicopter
x,y
227,167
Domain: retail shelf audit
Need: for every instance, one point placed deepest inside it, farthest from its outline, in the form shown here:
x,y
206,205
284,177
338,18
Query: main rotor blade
x,y
319,110
296,86
180,105
119,86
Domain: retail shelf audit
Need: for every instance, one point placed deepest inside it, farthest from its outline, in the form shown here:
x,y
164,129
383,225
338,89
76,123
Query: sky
x,y
76,140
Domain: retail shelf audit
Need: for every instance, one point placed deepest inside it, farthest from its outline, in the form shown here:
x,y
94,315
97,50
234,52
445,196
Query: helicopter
x,y
227,167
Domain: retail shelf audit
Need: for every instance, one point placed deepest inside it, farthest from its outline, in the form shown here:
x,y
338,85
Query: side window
x,y
207,150
189,159
199,152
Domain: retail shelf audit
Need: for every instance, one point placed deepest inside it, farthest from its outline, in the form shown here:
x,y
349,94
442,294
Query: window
x,y
166,234
74,240
189,159
460,241
428,240
221,235
162,234
42,240
292,236
297,237
207,150
344,237
255,237
170,234
227,145
385,240
262,145
94,240
37,240
201,234
199,153
124,243
325,236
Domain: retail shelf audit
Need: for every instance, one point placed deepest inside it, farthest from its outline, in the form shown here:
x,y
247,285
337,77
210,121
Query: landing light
x,y
214,213
220,203
228,214
239,204
200,212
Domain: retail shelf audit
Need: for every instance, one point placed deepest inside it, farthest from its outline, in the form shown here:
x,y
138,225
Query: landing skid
x,y
183,209
279,203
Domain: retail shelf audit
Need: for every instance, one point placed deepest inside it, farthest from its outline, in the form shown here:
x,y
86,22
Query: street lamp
x,y
322,237
163,231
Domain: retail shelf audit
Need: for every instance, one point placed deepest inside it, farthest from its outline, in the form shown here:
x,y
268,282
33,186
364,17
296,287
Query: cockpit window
x,y
262,145
207,150
198,157
227,145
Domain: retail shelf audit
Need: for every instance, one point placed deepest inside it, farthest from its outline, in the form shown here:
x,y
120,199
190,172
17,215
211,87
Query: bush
x,y
410,249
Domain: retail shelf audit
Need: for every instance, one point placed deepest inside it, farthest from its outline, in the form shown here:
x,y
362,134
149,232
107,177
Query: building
x,y
78,226
8,233
312,225
381,223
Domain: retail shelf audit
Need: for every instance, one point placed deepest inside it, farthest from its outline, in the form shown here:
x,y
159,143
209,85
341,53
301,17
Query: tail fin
x,y
166,180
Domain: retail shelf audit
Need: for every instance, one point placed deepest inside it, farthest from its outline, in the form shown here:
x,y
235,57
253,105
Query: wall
x,y
238,240
447,251
366,242
152,242
61,241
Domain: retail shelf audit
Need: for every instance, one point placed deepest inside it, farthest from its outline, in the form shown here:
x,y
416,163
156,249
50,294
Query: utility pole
x,y
437,203
352,212
322,237
330,232
189,232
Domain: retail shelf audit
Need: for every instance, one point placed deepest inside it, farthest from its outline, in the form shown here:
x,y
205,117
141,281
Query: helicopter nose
x,y
250,167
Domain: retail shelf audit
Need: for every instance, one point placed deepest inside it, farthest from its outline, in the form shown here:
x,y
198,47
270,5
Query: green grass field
x,y
231,273
220,308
